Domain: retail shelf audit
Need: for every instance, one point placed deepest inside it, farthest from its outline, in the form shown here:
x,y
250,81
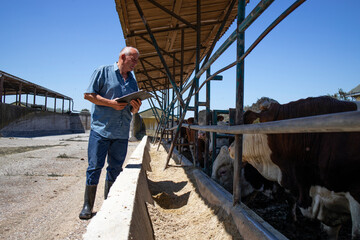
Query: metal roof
x,y
11,86
166,21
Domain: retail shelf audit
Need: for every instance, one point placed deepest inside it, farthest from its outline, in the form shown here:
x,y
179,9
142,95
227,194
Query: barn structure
x,y
25,110
176,40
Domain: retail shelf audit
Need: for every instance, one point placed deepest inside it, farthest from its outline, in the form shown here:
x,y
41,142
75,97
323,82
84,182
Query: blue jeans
x,y
98,148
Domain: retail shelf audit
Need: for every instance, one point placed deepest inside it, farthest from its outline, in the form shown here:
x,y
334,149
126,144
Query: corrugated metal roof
x,y
166,20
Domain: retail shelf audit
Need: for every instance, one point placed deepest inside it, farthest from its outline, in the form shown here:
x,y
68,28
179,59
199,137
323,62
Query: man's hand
x,y
118,105
135,105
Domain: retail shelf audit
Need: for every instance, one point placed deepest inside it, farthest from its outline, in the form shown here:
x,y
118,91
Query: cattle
x,y
201,137
319,169
223,170
252,182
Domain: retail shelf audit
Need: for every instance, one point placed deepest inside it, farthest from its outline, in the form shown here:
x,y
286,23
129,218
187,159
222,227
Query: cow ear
x,y
250,117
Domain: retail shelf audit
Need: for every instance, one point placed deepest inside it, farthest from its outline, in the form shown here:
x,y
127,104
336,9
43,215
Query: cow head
x,y
223,169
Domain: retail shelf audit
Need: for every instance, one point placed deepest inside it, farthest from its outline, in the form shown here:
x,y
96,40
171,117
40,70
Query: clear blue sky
x,y
58,44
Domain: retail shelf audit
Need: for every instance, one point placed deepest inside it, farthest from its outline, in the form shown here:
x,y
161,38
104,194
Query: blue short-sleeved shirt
x,y
108,83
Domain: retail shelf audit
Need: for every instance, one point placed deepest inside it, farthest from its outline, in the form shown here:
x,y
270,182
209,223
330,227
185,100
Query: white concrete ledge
x,y
123,214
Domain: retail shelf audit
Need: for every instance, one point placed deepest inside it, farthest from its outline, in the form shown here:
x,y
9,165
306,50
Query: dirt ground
x,y
42,184
179,211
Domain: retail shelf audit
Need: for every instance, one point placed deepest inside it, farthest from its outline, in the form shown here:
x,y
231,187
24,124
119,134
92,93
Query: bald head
x,y
128,59
129,51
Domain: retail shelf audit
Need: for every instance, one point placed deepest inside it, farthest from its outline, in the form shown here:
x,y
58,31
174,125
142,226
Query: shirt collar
x,y
116,68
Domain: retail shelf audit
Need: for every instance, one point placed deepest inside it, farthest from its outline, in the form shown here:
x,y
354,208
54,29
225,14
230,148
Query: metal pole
x,y
55,104
1,88
207,165
20,92
197,66
239,103
34,96
46,94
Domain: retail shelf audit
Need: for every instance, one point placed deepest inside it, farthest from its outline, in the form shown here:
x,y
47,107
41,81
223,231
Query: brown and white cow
x,y
320,169
222,170
253,181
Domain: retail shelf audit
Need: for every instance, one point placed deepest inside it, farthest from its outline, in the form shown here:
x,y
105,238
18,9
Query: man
x,y
110,123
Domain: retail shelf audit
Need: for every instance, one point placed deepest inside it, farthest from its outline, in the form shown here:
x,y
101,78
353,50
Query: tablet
x,y
141,94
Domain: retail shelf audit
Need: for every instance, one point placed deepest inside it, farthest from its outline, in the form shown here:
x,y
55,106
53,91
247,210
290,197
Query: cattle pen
x,y
167,43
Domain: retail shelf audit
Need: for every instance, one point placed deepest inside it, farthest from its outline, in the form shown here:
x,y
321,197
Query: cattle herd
x,y
318,172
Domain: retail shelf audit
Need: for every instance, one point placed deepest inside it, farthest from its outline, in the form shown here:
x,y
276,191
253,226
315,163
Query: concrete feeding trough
x,y
124,214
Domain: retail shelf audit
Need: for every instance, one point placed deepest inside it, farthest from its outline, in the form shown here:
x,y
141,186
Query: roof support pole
x,y
46,98
173,97
207,120
34,100
154,42
182,65
27,99
2,88
167,104
197,66
240,48
62,108
54,104
20,92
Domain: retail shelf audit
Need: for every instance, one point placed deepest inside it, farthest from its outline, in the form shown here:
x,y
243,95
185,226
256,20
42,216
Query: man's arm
x,y
99,100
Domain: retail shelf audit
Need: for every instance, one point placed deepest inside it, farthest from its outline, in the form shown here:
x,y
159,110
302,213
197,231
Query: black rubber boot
x,y
107,187
89,200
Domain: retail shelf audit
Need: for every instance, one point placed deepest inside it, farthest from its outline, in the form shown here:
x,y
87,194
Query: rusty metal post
x,y
239,103
197,67
207,165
